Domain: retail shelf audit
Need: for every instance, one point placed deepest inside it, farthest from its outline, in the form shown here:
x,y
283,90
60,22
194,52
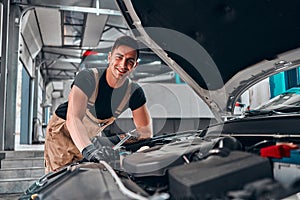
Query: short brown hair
x,y
126,41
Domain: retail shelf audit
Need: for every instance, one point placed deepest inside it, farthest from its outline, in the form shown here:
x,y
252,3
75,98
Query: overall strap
x,y
92,99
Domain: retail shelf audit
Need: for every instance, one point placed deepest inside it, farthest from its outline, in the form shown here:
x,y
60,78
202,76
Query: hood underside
x,y
212,41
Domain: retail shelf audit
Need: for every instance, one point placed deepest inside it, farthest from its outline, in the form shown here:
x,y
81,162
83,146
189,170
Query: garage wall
x,y
173,108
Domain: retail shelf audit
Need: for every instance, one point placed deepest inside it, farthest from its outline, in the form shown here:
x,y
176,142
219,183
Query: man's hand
x,y
95,155
100,141
135,136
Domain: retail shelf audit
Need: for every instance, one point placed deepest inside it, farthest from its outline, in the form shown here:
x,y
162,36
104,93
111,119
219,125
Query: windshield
x,y
289,101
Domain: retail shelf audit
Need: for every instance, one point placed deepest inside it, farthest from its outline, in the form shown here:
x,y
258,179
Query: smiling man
x,y
67,138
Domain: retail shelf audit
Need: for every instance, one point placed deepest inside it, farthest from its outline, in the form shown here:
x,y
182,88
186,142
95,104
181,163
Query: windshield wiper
x,y
288,109
277,111
260,112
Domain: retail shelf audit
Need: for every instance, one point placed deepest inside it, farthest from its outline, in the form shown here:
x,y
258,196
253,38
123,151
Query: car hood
x,y
220,48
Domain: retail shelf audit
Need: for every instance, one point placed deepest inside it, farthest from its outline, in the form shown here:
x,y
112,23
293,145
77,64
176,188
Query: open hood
x,y
219,47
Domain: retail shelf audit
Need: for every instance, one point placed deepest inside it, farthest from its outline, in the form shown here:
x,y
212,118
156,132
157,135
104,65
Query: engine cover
x,y
155,161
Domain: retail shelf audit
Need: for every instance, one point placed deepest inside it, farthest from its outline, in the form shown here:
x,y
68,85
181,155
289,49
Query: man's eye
x,y
130,62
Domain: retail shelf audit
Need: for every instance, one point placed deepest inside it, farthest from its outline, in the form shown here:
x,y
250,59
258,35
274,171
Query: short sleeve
x,y
85,80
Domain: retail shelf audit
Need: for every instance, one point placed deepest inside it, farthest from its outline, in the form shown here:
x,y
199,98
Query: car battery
x,y
215,176
287,169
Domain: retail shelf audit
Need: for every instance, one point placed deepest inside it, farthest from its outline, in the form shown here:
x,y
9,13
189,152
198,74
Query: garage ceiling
x,y
57,33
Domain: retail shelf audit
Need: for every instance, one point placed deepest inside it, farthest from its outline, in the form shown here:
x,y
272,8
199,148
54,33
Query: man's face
x,y
122,61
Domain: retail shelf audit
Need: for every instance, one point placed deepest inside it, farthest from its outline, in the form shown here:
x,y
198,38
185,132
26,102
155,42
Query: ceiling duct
x,y
94,24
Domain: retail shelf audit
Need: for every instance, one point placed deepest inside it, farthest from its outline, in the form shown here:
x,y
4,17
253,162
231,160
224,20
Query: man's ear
x,y
109,56
136,64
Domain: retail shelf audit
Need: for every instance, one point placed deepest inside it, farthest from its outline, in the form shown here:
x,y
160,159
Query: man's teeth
x,y
122,71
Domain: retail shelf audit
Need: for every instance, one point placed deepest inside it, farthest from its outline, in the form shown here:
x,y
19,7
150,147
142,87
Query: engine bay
x,y
206,165
197,164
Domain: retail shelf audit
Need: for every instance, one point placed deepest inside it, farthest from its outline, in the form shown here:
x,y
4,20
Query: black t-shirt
x,y
108,98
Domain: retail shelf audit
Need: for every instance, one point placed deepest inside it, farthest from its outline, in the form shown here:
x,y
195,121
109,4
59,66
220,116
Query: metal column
x,y
3,70
9,71
12,77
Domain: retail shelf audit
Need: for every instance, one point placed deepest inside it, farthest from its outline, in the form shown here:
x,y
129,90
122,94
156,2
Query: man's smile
x,y
121,70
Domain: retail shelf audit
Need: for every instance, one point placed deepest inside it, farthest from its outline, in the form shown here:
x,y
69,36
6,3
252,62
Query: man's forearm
x,y
145,131
78,133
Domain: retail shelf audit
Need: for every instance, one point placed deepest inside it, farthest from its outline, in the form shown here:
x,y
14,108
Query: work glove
x,y
101,141
92,154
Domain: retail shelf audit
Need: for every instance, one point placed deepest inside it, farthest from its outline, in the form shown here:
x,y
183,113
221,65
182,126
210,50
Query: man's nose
x,y
123,63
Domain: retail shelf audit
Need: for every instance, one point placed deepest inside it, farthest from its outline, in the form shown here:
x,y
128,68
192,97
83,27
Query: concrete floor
x,y
10,196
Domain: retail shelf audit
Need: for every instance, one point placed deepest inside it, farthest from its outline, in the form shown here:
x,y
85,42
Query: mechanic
x,y
67,139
